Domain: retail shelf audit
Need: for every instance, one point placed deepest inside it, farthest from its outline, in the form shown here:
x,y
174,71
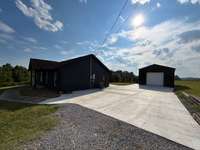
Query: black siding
x,y
74,75
168,74
102,75
71,75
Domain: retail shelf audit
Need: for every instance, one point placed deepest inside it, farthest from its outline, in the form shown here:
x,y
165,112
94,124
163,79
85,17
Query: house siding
x,y
71,75
102,76
74,75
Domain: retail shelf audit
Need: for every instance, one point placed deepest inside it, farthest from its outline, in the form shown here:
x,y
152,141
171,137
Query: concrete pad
x,y
157,110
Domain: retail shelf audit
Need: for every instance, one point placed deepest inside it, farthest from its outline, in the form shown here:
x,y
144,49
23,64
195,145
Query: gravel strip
x,y
84,129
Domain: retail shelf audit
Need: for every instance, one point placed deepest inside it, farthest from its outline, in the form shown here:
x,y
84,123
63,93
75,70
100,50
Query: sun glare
x,y
138,20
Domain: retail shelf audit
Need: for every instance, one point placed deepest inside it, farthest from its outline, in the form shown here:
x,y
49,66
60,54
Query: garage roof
x,y
157,66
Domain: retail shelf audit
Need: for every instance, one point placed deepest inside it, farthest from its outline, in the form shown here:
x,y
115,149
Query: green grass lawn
x,y
6,84
22,122
44,93
1,91
191,87
121,83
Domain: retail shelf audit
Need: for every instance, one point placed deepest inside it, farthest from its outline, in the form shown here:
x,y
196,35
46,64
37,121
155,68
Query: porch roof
x,y
38,64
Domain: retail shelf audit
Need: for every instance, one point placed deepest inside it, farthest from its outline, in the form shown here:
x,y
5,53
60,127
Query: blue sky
x,y
63,29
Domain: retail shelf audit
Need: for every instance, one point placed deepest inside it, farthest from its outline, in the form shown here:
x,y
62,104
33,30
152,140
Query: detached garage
x,y
157,75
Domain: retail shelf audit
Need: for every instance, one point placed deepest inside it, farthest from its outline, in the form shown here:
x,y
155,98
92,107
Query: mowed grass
x,y
37,93
22,122
1,91
191,87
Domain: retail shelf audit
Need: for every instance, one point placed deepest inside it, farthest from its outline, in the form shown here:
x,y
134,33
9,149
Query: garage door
x,y
155,78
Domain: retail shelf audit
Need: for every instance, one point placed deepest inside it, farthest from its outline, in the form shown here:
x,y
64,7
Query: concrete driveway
x,y
157,110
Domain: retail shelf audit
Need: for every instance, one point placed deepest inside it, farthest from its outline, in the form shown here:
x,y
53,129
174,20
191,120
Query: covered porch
x,y
44,73
44,79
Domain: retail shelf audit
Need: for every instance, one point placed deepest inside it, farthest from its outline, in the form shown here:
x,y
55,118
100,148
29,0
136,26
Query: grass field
x,y
22,122
191,87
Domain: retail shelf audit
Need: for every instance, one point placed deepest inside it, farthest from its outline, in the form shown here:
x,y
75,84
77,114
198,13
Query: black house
x,y
157,75
75,74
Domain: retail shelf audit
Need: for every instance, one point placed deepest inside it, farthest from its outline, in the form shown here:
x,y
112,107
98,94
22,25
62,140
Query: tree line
x,y
9,75
123,76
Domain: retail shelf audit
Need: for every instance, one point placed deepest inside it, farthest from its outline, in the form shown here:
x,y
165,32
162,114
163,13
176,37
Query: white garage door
x,y
155,78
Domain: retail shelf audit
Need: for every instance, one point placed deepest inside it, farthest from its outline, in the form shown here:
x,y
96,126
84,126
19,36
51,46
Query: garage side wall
x,y
169,78
75,75
102,75
168,75
142,77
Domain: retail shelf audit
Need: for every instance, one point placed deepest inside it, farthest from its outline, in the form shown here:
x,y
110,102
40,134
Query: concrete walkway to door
x,y
157,110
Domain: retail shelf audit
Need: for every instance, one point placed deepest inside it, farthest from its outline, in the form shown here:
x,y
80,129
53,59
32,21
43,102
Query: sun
x,y
137,21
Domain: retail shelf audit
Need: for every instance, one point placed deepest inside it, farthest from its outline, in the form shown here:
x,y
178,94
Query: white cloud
x,y
34,49
39,48
6,36
89,45
83,43
30,39
28,50
140,1
6,28
158,5
83,1
64,42
122,19
63,52
189,1
3,41
111,40
40,12
159,44
57,46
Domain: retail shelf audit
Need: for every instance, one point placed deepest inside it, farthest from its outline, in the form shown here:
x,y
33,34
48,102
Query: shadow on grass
x,y
13,106
38,92
181,88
